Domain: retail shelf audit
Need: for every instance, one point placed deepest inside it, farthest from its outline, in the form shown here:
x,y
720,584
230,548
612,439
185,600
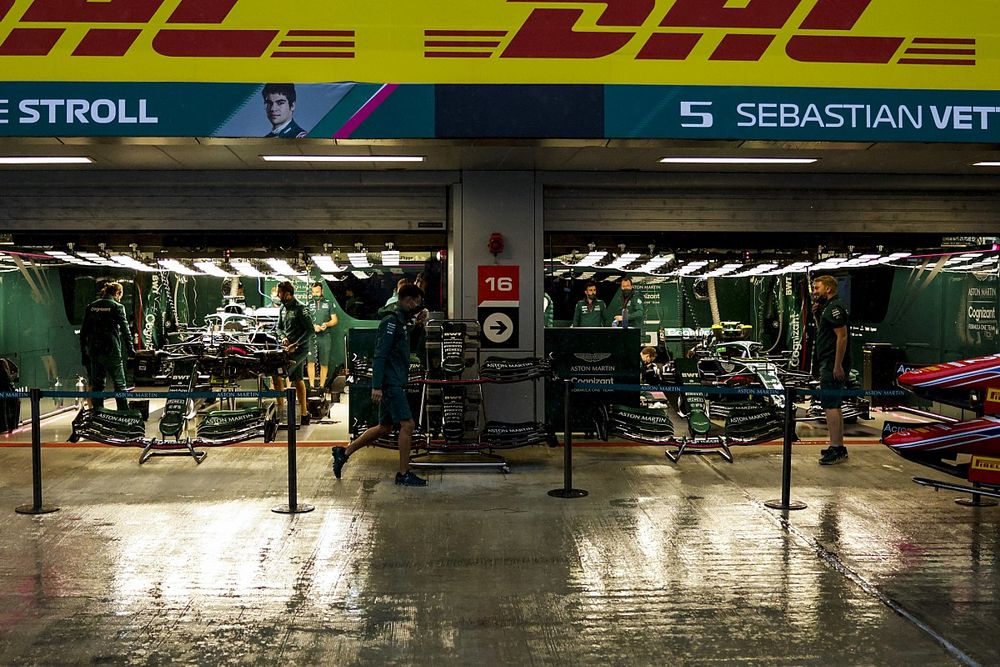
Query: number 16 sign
x,y
499,302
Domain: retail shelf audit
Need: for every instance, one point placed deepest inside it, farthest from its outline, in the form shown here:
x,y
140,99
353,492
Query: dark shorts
x,y
297,366
394,408
320,349
827,382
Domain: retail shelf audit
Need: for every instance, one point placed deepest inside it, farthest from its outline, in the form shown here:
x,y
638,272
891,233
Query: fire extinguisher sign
x,y
499,303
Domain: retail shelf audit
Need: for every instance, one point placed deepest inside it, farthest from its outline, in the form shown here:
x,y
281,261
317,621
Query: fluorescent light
x,y
986,164
131,263
46,160
326,264
283,267
359,260
360,275
245,268
390,258
342,158
738,160
592,258
177,267
623,260
332,278
211,269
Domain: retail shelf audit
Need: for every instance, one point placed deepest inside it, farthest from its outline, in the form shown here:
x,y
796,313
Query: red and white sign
x,y
499,286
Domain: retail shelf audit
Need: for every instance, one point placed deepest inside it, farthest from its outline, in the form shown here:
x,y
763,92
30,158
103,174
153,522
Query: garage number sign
x,y
499,305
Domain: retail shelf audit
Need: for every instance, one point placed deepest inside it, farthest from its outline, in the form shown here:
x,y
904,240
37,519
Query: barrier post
x,y
36,507
786,503
293,506
567,491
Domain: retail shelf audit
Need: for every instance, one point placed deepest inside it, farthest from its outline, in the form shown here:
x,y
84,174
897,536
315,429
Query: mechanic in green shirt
x,y
389,375
295,331
323,320
106,342
833,359
627,307
590,311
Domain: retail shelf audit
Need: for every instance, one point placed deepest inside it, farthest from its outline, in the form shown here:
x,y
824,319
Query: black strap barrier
x,y
36,506
293,506
36,395
785,503
567,491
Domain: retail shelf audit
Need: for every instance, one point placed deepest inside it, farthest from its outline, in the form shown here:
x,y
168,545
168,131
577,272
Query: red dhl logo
x,y
555,33
980,463
200,42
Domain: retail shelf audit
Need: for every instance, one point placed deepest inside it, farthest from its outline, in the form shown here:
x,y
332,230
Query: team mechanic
x,y
106,342
389,374
295,330
833,357
323,320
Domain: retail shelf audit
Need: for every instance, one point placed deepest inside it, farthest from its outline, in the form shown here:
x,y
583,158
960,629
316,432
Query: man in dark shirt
x,y
105,342
833,359
627,307
590,311
295,331
324,319
390,371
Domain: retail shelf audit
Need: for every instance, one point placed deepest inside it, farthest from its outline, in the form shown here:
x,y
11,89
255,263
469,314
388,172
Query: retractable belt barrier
x,y
789,393
35,395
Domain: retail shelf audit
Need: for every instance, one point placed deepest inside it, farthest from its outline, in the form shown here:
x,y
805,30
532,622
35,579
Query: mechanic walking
x,y
295,329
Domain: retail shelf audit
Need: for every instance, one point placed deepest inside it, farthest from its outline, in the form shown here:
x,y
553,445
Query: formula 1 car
x,y
969,450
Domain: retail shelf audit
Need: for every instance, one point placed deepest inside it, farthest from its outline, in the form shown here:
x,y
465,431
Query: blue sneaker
x,y
339,459
409,479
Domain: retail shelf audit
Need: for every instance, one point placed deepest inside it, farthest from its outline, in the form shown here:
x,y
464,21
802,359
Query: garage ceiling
x,y
542,155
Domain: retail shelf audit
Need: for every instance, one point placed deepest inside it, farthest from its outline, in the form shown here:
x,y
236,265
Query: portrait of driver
x,y
279,106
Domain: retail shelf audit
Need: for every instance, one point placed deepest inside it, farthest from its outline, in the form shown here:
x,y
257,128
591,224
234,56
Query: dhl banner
x,y
860,44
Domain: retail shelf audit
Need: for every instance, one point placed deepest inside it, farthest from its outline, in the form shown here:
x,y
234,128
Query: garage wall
x,y
771,203
220,201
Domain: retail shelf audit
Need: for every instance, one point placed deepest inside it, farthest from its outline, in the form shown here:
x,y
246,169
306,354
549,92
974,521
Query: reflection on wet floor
x,y
660,564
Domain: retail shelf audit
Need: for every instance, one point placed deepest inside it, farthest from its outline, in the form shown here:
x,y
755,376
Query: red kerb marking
x,y
30,41
677,46
106,42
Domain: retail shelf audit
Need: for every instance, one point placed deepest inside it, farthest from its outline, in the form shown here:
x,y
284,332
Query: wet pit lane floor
x,y
662,564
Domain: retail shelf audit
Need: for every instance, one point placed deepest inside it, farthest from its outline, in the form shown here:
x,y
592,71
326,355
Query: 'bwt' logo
x,y
206,40
557,33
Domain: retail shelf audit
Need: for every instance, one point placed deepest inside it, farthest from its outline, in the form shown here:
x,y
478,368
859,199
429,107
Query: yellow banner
x,y
799,43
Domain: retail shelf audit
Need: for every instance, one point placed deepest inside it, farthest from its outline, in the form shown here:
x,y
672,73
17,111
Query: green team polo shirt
x,y
320,310
594,316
